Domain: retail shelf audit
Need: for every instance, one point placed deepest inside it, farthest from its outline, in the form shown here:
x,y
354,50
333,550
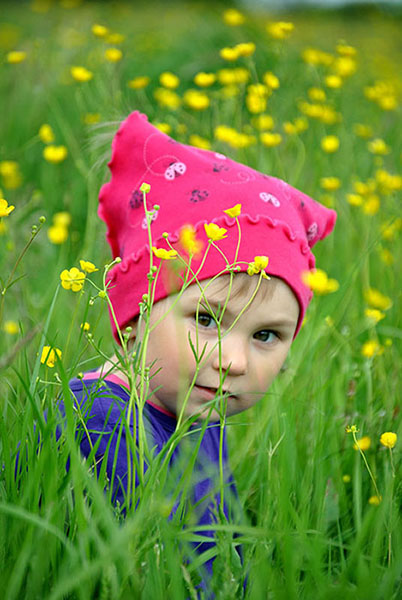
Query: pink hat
x,y
194,186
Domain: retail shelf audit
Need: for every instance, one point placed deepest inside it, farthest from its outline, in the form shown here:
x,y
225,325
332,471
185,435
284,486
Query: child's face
x,y
247,359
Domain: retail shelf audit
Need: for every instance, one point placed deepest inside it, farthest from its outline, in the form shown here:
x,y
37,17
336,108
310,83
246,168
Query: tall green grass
x,y
309,529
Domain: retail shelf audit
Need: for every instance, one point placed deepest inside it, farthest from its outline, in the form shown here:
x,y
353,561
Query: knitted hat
x,y
194,186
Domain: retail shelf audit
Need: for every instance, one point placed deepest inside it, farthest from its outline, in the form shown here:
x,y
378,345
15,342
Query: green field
x,y
321,516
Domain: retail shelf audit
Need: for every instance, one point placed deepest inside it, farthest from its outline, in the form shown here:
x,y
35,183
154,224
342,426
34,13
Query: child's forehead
x,y
240,287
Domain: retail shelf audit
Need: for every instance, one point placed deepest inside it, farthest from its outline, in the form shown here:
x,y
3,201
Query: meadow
x,y
312,98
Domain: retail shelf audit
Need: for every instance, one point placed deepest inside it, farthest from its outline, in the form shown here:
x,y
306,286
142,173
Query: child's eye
x,y
205,320
266,335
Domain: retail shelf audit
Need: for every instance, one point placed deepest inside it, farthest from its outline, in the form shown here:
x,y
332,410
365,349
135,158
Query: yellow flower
x,y
145,187
99,30
46,134
87,266
50,355
229,54
330,143
81,74
5,208
72,279
354,199
233,17
233,76
363,131
319,282
346,478
113,54
91,118
259,265
371,348
214,232
312,56
164,254
386,256
234,211
55,154
138,83
280,30
169,80
371,205
299,124
333,81
351,429
345,50
85,326
62,218
167,98
163,127
344,66
245,48
204,79
16,56
271,80
263,122
115,38
389,229
375,500
57,234
199,142
378,146
188,240
330,183
270,140
9,170
256,103
363,444
388,439
11,327
374,314
196,99
376,299
317,94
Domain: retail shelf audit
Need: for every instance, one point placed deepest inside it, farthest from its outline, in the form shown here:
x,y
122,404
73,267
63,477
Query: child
x,y
214,347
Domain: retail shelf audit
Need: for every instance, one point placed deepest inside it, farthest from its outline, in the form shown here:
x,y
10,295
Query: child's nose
x,y
233,356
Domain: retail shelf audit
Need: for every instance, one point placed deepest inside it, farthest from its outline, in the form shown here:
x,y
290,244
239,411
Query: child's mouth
x,y
211,392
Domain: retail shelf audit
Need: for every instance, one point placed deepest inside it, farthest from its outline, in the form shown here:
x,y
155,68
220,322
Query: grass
x,y
310,527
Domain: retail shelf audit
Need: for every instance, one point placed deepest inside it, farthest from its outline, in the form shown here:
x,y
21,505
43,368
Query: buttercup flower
x,y
196,99
376,299
378,146
351,429
163,127
270,140
188,240
363,131
113,54
164,254
319,282
46,134
233,17
11,327
259,265
57,234
371,348
333,81
138,83
55,154
204,79
199,142
330,184
245,48
169,80
374,314
50,355
214,232
375,500
87,266
72,279
16,56
280,30
5,208
346,478
330,143
85,326
81,74
388,439
99,30
167,98
145,187
234,211
229,54
363,444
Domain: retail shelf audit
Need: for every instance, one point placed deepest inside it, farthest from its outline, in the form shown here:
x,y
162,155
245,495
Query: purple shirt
x,y
104,404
